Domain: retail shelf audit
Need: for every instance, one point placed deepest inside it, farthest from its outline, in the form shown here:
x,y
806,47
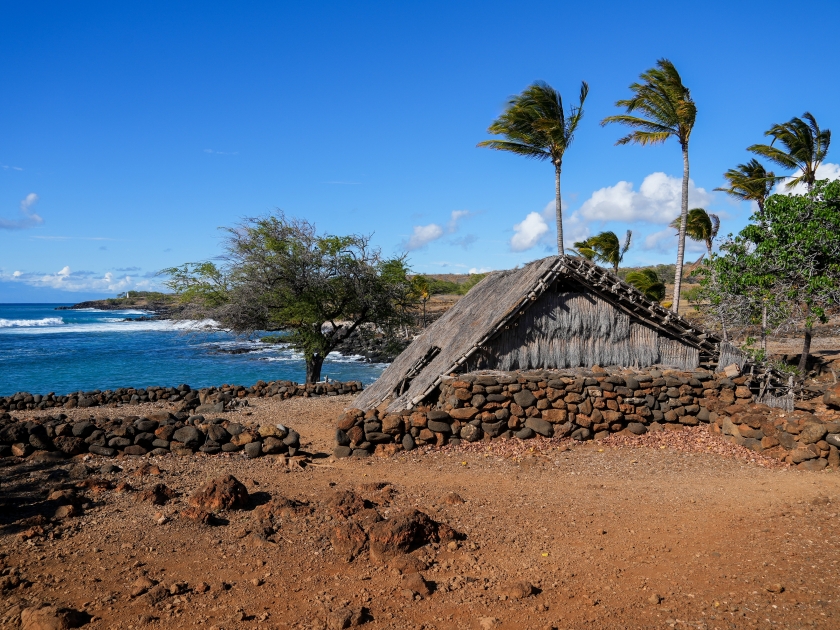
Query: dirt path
x,y
609,537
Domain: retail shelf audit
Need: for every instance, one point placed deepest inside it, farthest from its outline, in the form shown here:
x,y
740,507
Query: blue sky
x,y
132,131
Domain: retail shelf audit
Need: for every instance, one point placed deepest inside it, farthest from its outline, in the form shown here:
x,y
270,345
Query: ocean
x,y
43,350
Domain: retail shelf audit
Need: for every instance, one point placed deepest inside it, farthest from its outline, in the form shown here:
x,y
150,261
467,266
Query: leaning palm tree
x,y
667,110
537,126
806,146
605,247
750,182
701,226
646,281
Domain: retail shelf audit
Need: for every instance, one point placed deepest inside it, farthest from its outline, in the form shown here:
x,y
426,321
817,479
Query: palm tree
x,y
806,147
646,281
750,182
537,126
604,247
667,110
701,226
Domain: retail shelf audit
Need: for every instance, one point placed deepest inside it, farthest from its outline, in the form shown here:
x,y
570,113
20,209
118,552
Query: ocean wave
x,y
123,311
113,326
30,323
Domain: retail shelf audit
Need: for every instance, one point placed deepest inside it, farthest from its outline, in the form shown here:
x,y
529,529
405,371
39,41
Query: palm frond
x,y
519,148
663,104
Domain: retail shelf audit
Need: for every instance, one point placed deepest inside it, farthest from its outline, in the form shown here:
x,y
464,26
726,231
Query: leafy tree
x,y
280,274
788,259
667,111
421,290
701,226
537,126
750,182
604,247
646,281
806,146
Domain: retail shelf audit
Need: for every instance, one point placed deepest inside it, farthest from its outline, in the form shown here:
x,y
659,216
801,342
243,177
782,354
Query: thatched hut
x,y
558,312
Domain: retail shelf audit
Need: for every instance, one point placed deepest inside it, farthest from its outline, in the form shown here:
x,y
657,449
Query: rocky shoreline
x,y
374,348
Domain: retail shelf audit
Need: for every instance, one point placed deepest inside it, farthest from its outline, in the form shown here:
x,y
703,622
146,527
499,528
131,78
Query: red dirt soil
x,y
684,531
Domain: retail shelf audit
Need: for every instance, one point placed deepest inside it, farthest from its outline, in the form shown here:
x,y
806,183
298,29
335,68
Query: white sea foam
x,y
31,323
114,326
122,311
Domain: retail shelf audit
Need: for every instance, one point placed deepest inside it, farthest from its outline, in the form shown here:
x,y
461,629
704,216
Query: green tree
x,y
788,259
646,281
605,248
422,292
701,226
536,125
280,274
666,111
750,182
805,147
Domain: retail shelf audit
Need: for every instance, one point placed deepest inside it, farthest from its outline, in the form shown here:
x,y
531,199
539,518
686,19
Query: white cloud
x,y
538,228
30,219
456,216
658,200
67,280
826,170
529,233
475,270
422,235
665,242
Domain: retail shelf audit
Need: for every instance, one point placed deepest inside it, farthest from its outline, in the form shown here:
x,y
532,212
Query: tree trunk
x,y
764,329
681,246
313,368
806,350
558,209
806,345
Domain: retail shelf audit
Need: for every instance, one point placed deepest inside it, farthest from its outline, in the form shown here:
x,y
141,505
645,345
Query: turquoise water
x,y
43,350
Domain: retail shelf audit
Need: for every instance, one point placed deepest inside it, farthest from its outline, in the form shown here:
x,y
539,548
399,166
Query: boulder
x,y
471,433
832,396
439,427
190,437
224,493
525,398
52,618
408,442
812,433
404,532
540,426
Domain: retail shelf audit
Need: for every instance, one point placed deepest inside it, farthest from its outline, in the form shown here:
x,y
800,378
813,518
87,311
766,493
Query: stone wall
x,y
591,404
157,433
186,398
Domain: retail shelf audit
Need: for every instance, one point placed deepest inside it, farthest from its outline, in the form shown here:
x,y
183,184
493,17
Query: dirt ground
x,y
667,534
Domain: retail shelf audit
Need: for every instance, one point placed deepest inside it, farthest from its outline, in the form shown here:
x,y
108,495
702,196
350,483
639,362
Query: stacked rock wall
x,y
158,433
586,404
188,399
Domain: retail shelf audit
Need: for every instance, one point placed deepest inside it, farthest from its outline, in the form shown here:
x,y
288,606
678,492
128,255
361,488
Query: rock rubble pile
x,y
206,400
592,404
156,433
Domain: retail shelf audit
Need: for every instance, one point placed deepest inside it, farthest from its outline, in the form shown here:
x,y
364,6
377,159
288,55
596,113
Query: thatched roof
x,y
500,299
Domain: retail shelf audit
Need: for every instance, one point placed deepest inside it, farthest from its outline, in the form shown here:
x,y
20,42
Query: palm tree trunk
x,y
558,208
681,246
